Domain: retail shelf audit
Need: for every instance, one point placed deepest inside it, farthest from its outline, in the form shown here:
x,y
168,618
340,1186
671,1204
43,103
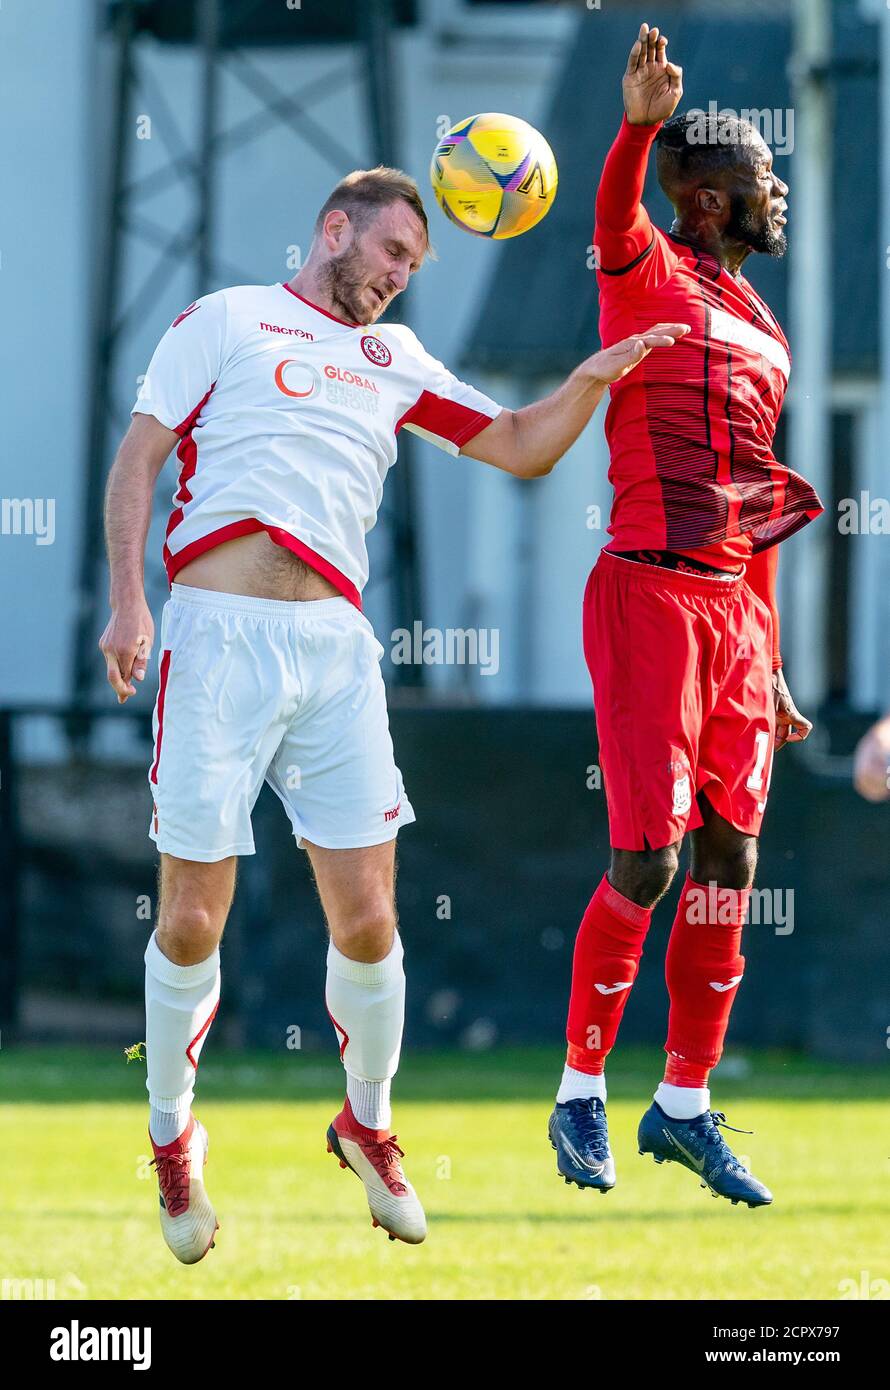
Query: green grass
x,y
79,1204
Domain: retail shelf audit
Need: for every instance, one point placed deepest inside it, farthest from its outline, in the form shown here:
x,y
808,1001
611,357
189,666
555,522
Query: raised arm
x,y
529,442
652,88
126,641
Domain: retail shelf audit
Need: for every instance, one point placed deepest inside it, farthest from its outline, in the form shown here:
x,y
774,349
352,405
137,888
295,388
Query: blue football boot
x,y
700,1147
580,1136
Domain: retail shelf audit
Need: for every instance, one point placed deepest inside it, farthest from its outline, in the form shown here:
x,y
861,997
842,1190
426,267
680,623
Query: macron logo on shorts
x,y
393,814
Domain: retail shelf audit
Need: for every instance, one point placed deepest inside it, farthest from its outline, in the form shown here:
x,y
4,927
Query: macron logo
x,y
76,1343
613,989
294,332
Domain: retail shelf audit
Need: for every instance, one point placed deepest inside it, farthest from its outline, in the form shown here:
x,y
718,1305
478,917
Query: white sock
x,y
683,1102
580,1085
370,1101
180,1001
367,1007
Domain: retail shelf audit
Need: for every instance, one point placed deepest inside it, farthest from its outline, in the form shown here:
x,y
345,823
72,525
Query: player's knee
x,y
188,932
366,933
644,876
731,864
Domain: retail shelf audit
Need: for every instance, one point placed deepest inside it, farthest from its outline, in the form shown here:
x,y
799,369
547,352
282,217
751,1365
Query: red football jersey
x,y
690,430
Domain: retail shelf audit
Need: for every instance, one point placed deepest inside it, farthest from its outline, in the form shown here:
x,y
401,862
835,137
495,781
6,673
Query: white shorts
x,y
258,689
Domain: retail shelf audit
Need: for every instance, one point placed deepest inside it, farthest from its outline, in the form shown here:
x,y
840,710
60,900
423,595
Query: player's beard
x,y
757,233
345,277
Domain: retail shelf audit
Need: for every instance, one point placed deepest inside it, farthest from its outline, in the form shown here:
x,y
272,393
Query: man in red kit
x,y
681,633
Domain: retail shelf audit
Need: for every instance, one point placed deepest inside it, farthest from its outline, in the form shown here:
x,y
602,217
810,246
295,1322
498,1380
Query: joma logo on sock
x,y
76,1343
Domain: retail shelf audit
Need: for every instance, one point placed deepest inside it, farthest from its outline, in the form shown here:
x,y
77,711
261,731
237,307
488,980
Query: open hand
x,y
652,86
614,362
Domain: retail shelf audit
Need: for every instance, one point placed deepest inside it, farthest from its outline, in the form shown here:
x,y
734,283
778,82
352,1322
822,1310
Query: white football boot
x,y
375,1157
188,1221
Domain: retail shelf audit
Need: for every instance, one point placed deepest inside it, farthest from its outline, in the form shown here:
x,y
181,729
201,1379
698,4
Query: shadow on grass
x,y
615,1215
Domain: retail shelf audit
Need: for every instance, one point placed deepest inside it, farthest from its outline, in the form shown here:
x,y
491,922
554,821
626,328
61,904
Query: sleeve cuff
x,y
640,134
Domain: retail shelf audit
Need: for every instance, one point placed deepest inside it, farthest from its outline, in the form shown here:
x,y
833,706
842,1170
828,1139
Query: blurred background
x,y
158,151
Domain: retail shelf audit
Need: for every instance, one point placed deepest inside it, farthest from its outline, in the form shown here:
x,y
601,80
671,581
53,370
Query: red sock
x,y
607,956
703,969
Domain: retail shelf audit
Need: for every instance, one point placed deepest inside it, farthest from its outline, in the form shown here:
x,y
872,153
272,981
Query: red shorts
x,y
681,666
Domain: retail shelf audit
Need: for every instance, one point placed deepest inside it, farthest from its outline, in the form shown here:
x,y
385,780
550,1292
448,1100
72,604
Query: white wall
x,y
44,252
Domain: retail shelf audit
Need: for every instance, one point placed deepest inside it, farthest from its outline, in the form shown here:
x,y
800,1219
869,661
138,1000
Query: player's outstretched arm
x,y
529,442
651,86
126,641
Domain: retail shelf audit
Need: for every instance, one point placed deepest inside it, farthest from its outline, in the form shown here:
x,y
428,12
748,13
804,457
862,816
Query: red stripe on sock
x,y
340,1029
198,1036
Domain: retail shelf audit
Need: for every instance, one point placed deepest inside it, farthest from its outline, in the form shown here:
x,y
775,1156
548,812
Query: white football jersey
x,y
288,419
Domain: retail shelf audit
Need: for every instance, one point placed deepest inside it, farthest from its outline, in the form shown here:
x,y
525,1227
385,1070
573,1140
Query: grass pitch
x,y
80,1203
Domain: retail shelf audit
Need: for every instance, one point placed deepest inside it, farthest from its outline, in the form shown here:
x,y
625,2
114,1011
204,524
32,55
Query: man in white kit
x,y
284,404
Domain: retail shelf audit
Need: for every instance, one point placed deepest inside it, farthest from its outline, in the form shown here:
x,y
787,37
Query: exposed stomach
x,y
255,566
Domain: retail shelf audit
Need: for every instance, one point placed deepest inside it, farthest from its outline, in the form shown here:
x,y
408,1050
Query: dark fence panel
x,y
511,841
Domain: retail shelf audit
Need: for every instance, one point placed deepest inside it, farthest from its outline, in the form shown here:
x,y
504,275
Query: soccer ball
x,y
494,175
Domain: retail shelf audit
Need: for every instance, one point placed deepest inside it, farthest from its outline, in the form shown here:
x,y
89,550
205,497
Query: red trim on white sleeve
x,y
448,421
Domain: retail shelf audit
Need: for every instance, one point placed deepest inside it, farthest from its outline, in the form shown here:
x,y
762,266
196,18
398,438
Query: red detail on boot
x,y
608,948
172,1163
379,1147
346,1124
703,970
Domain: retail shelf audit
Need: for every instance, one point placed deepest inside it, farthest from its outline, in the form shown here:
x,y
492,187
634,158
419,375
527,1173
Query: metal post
x,y
208,37
376,26
85,658
10,869
810,434
881,629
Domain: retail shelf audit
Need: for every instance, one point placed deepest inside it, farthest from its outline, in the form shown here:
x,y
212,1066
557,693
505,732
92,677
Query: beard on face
x,y
754,231
345,277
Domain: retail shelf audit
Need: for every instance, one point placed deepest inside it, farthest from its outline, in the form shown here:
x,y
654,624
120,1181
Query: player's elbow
x,y
539,468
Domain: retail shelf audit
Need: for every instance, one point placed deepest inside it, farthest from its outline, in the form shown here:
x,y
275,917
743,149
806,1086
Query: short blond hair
x,y
364,192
